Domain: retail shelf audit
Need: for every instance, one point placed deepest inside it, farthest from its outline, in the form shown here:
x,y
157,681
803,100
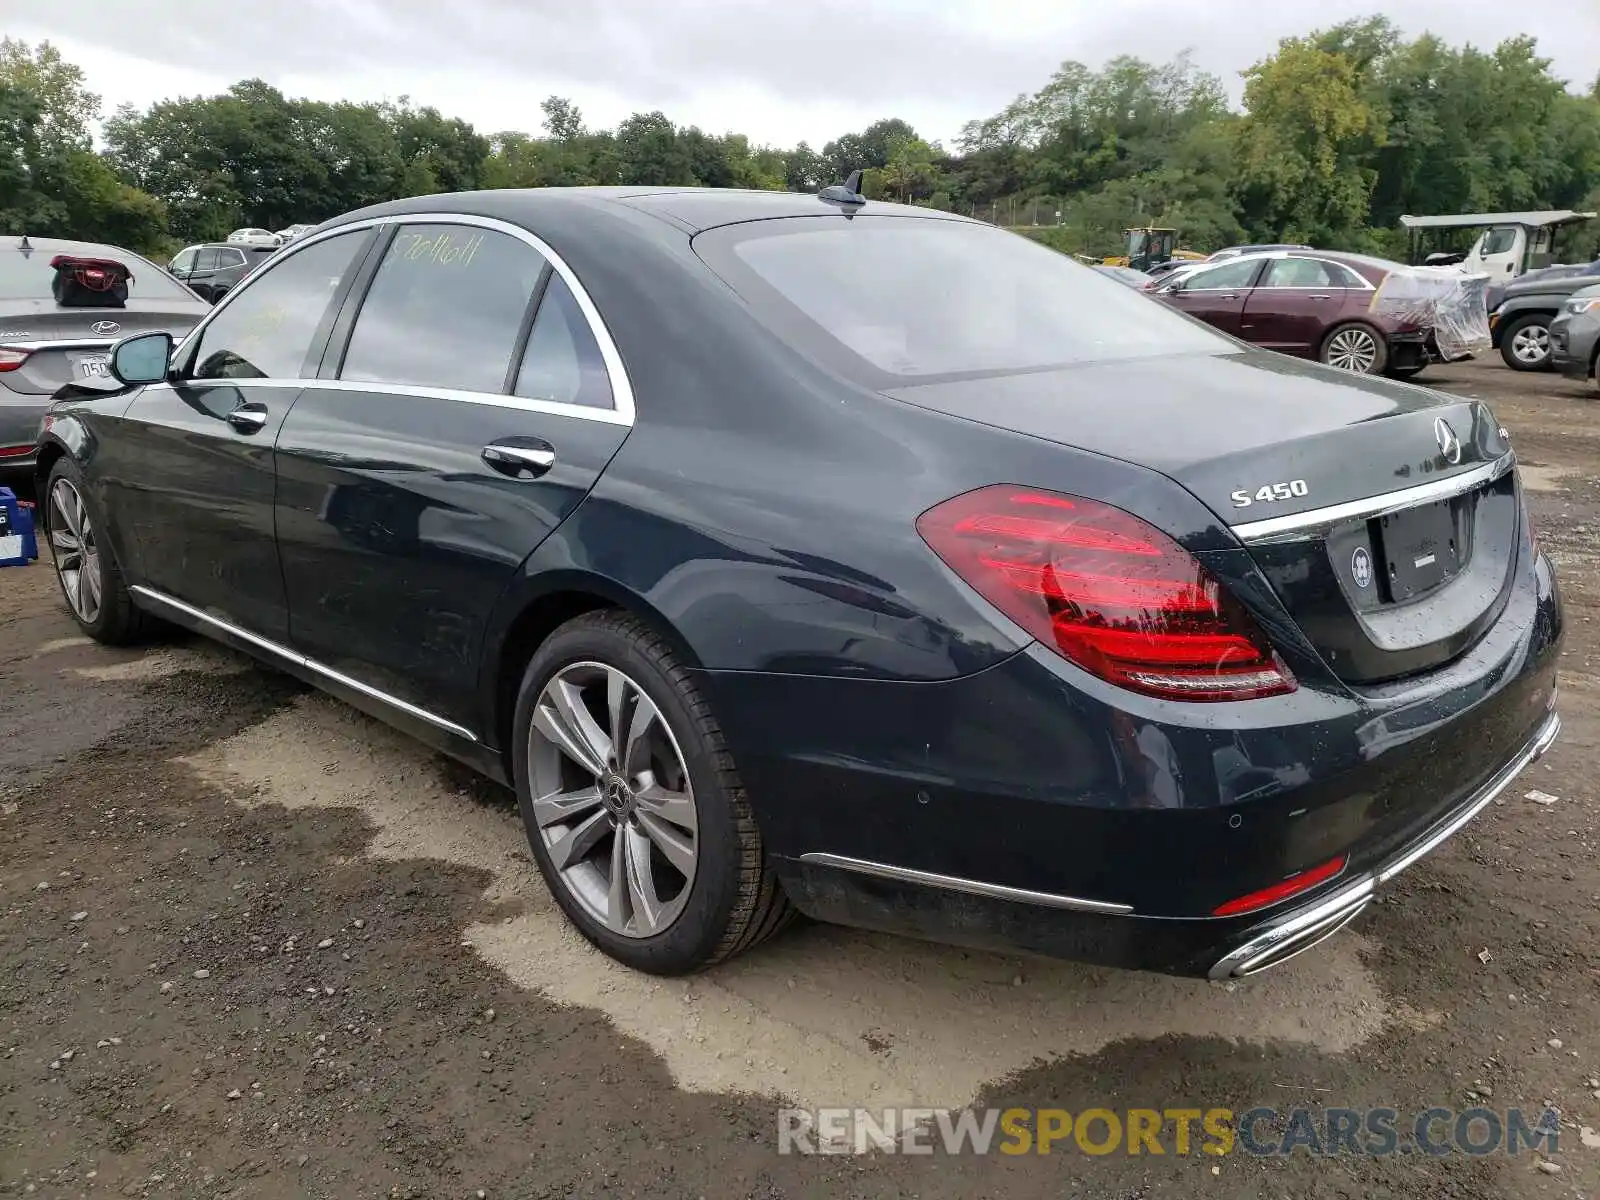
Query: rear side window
x,y
562,362
268,327
1299,273
917,297
205,260
444,309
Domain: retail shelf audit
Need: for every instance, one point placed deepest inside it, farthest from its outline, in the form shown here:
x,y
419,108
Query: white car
x,y
254,237
285,236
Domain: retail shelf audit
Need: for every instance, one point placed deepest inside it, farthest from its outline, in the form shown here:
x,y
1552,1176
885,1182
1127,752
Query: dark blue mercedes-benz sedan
x,y
803,553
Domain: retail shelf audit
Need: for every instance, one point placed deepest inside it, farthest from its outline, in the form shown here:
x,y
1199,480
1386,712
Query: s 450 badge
x,y
1268,492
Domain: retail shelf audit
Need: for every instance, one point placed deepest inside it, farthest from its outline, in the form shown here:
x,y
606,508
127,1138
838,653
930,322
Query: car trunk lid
x,y
68,344
1384,516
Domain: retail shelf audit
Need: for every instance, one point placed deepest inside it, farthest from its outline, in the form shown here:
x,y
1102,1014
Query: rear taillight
x,y
11,359
1107,591
15,451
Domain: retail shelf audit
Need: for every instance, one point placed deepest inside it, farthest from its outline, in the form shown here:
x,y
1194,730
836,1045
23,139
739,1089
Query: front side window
x,y
184,261
1498,241
562,362
918,297
1236,274
445,309
268,327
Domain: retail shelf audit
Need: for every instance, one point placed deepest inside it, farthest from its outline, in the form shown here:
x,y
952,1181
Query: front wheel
x,y
1356,348
90,579
1525,343
632,806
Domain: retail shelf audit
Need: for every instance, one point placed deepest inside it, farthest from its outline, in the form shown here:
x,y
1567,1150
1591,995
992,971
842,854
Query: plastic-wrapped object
x,y
1450,301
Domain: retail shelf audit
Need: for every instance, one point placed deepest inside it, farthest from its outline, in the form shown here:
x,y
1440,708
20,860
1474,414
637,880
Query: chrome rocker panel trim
x,y
972,887
1304,928
296,659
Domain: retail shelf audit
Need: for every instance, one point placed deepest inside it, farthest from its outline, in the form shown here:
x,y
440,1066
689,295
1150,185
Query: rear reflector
x,y
15,451
1291,886
11,359
1107,591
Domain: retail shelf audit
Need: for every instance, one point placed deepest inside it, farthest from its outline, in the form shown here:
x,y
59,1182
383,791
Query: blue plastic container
x,y
18,546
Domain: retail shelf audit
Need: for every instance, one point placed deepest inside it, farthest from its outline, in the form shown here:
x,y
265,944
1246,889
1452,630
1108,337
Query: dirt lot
x,y
254,944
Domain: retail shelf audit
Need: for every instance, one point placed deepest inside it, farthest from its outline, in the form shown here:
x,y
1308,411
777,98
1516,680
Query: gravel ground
x,y
254,944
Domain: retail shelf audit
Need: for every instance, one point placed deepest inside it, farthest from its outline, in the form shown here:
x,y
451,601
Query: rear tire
x,y
91,582
1525,343
1407,372
651,850
1356,348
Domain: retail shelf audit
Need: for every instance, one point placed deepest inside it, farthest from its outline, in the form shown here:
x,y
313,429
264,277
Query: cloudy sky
x,y
779,70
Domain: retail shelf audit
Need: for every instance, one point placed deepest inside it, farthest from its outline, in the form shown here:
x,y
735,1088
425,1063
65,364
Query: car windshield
x,y
27,275
916,297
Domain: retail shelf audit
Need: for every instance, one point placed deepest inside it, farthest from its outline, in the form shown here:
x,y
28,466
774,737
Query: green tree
x,y
649,152
1304,146
66,106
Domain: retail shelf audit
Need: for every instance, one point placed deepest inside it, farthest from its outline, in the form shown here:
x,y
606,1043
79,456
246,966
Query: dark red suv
x,y
1309,303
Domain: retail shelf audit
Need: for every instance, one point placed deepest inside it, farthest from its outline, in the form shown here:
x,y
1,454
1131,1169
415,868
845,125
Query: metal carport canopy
x,y
1534,220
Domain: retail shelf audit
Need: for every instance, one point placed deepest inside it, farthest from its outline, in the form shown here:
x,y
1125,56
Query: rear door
x,y
1217,295
466,406
195,487
1295,300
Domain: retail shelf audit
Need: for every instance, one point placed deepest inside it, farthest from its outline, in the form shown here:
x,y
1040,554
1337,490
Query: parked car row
x,y
1020,610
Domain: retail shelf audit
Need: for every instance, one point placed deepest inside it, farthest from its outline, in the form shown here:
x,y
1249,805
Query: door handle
x,y
1228,296
248,418
1320,296
525,458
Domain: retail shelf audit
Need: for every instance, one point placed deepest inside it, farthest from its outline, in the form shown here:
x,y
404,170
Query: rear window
x,y
27,276
913,297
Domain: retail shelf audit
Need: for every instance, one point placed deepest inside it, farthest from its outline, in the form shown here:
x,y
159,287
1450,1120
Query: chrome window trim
x,y
622,411
971,887
300,660
606,416
1299,525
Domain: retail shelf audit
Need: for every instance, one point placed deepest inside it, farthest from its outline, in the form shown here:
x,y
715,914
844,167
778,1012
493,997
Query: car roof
x,y
691,209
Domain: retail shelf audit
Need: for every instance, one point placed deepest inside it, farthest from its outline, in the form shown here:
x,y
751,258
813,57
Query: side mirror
x,y
141,358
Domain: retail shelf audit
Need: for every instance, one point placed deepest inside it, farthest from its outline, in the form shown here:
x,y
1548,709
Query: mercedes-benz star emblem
x,y
1361,567
105,328
1449,443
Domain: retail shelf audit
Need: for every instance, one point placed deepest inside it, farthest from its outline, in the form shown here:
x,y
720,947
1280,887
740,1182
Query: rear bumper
x,y
1289,934
1030,808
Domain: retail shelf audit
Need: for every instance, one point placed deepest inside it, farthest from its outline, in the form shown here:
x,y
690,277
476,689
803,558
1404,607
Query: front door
x,y
198,480
1293,303
434,456
1217,294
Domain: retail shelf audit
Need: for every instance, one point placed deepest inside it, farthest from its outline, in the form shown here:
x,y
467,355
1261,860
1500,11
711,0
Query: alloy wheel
x,y
612,801
1353,350
72,542
1531,344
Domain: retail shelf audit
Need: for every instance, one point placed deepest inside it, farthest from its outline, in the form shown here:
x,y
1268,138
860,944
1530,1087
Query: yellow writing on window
x,y
441,249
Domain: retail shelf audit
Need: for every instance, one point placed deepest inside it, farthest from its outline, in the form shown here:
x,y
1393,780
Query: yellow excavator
x,y
1151,246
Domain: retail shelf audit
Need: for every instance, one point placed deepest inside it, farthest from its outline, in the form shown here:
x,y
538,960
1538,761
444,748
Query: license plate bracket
x,y
1421,549
93,366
